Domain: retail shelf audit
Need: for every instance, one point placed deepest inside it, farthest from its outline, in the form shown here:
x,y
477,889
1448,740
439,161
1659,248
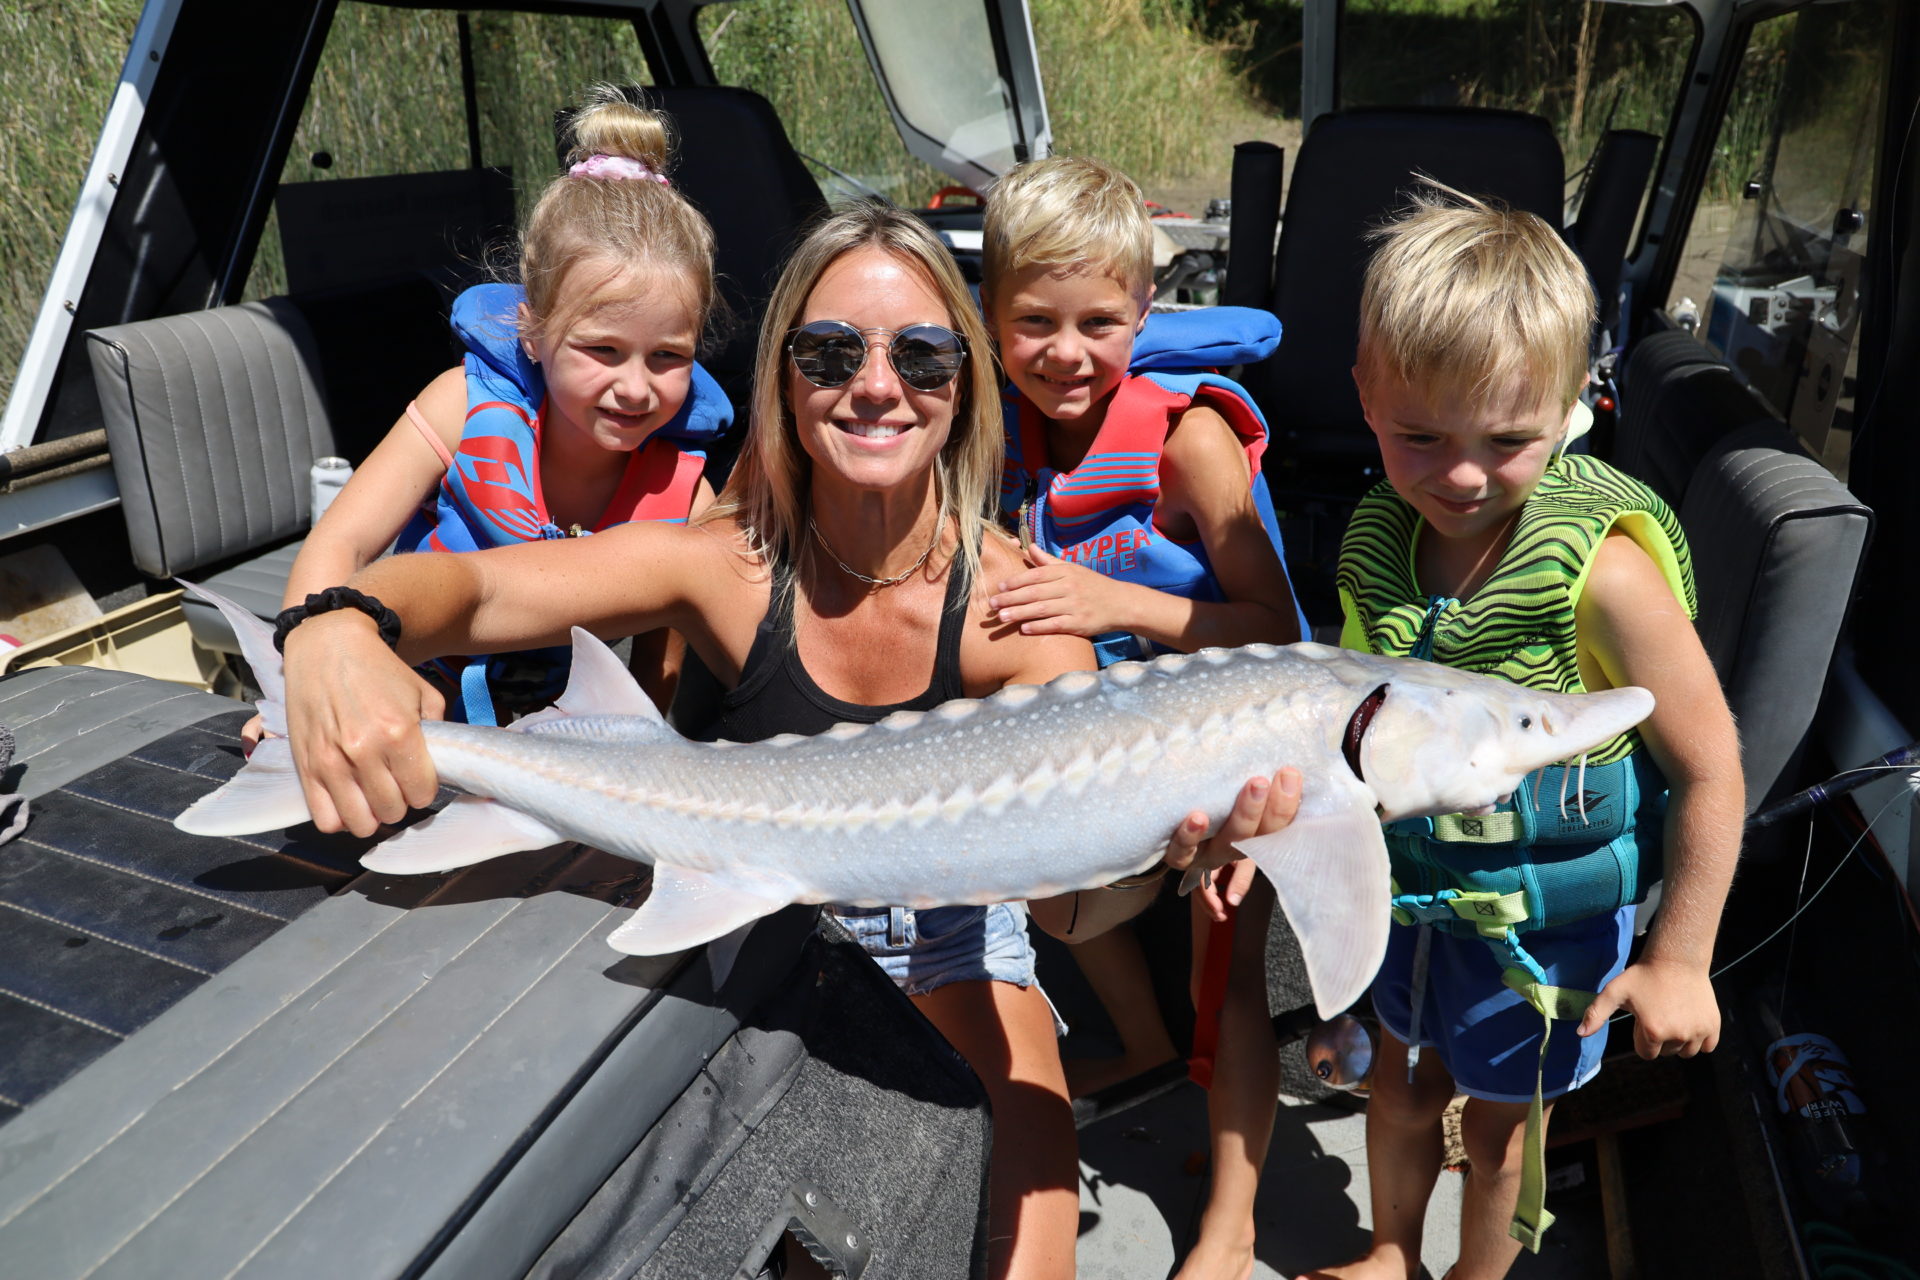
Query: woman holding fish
x,y
834,580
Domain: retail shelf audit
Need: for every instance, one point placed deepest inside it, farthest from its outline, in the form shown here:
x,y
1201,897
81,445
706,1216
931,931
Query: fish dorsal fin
x,y
598,684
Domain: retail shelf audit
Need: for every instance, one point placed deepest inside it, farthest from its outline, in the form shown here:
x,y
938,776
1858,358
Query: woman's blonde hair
x,y
1466,298
767,493
1067,211
622,222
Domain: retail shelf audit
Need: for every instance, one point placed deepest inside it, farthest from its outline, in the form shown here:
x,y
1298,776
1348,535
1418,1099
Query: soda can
x,y
328,477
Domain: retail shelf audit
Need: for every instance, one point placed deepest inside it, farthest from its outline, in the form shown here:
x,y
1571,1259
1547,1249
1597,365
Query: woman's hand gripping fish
x,y
1035,791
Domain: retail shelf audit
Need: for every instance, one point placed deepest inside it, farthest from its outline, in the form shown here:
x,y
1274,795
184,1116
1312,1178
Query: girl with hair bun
x,y
578,407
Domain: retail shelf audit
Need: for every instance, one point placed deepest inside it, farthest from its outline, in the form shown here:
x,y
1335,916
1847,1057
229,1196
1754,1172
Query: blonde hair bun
x,y
608,123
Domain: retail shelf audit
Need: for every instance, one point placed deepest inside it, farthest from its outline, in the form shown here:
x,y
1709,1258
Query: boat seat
x,y
1676,402
1354,170
721,133
1610,207
214,419
1777,545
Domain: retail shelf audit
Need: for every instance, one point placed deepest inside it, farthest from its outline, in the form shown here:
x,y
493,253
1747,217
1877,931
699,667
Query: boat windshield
x,y
968,106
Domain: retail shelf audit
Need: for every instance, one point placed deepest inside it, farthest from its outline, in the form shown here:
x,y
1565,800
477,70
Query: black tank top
x,y
776,695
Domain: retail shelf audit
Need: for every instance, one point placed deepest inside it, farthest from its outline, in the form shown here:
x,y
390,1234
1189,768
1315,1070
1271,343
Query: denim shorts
x,y
925,949
1488,1037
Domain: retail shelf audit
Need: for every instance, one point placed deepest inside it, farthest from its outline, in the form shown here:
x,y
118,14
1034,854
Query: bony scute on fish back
x,y
1029,792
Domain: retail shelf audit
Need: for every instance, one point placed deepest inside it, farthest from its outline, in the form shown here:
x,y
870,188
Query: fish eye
x,y
1526,722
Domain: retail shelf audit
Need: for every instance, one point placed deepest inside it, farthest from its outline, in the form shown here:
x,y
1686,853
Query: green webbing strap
x,y
1491,914
1490,828
1530,1216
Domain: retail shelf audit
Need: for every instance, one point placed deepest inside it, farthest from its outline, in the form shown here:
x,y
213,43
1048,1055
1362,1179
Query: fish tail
x,y
266,794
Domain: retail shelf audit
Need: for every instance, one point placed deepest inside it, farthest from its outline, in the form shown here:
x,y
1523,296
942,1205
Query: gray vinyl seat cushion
x,y
1777,544
214,419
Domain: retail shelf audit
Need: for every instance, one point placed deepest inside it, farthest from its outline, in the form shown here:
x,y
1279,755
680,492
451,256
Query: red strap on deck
x,y
1213,995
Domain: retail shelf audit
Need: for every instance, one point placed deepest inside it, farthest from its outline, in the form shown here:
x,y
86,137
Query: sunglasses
x,y
829,352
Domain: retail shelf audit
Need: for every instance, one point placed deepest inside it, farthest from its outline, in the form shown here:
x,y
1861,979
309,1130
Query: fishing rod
x,y
1833,788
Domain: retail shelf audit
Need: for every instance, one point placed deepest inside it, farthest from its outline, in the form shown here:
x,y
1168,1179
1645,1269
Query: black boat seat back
x,y
1621,166
733,160
1676,401
1354,171
1777,544
1777,541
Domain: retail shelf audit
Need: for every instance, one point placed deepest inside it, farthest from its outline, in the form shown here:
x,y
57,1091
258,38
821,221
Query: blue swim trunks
x,y
922,950
1488,1037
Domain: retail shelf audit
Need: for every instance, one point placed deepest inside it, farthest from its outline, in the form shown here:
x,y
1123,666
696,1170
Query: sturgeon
x,y
1034,791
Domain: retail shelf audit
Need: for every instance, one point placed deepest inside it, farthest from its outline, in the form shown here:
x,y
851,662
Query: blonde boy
x,y
1490,549
1142,499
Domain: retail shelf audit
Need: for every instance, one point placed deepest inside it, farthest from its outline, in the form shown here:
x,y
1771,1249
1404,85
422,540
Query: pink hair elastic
x,y
600,165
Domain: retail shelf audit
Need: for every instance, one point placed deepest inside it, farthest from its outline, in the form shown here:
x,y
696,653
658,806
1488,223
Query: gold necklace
x,y
852,572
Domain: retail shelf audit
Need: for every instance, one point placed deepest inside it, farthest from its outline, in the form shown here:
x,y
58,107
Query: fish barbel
x,y
1034,791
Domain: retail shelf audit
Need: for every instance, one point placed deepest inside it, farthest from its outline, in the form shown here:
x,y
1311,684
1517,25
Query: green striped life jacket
x,y
1533,862
1520,626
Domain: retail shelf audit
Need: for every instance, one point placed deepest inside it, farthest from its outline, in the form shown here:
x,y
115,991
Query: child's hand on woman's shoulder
x,y
1059,597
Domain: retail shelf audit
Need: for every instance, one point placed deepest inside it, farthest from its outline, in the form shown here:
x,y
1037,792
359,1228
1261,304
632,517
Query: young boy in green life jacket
x,y
1490,549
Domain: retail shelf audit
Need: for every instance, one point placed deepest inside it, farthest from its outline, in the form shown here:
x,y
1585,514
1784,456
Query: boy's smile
x,y
1066,337
1465,468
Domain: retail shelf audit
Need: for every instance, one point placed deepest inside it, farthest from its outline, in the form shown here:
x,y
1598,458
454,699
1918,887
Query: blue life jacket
x,y
1100,514
491,495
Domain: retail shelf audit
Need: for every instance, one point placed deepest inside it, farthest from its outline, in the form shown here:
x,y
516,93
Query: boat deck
x,y
1143,1186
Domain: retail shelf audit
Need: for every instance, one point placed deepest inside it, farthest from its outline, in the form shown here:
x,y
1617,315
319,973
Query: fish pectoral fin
x,y
264,796
687,908
1329,871
469,830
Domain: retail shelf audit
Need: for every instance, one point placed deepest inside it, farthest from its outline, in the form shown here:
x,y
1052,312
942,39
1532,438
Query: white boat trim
x,y
97,194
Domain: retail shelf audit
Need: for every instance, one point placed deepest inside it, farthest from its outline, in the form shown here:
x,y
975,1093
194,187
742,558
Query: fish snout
x,y
1581,721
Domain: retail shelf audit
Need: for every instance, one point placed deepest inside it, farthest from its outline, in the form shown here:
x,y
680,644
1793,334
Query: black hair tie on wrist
x,y
337,598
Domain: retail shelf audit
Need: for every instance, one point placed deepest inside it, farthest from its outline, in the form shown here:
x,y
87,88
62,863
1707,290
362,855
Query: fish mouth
x,y
1357,726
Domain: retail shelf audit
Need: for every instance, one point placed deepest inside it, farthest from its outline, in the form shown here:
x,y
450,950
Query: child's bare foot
x,y
1379,1263
1215,1260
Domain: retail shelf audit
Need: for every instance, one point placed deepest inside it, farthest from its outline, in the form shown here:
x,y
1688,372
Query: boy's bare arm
x,y
1204,475
1631,626
1204,478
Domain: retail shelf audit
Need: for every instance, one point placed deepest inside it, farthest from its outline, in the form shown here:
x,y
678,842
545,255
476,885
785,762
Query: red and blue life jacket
x,y
1101,513
492,497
